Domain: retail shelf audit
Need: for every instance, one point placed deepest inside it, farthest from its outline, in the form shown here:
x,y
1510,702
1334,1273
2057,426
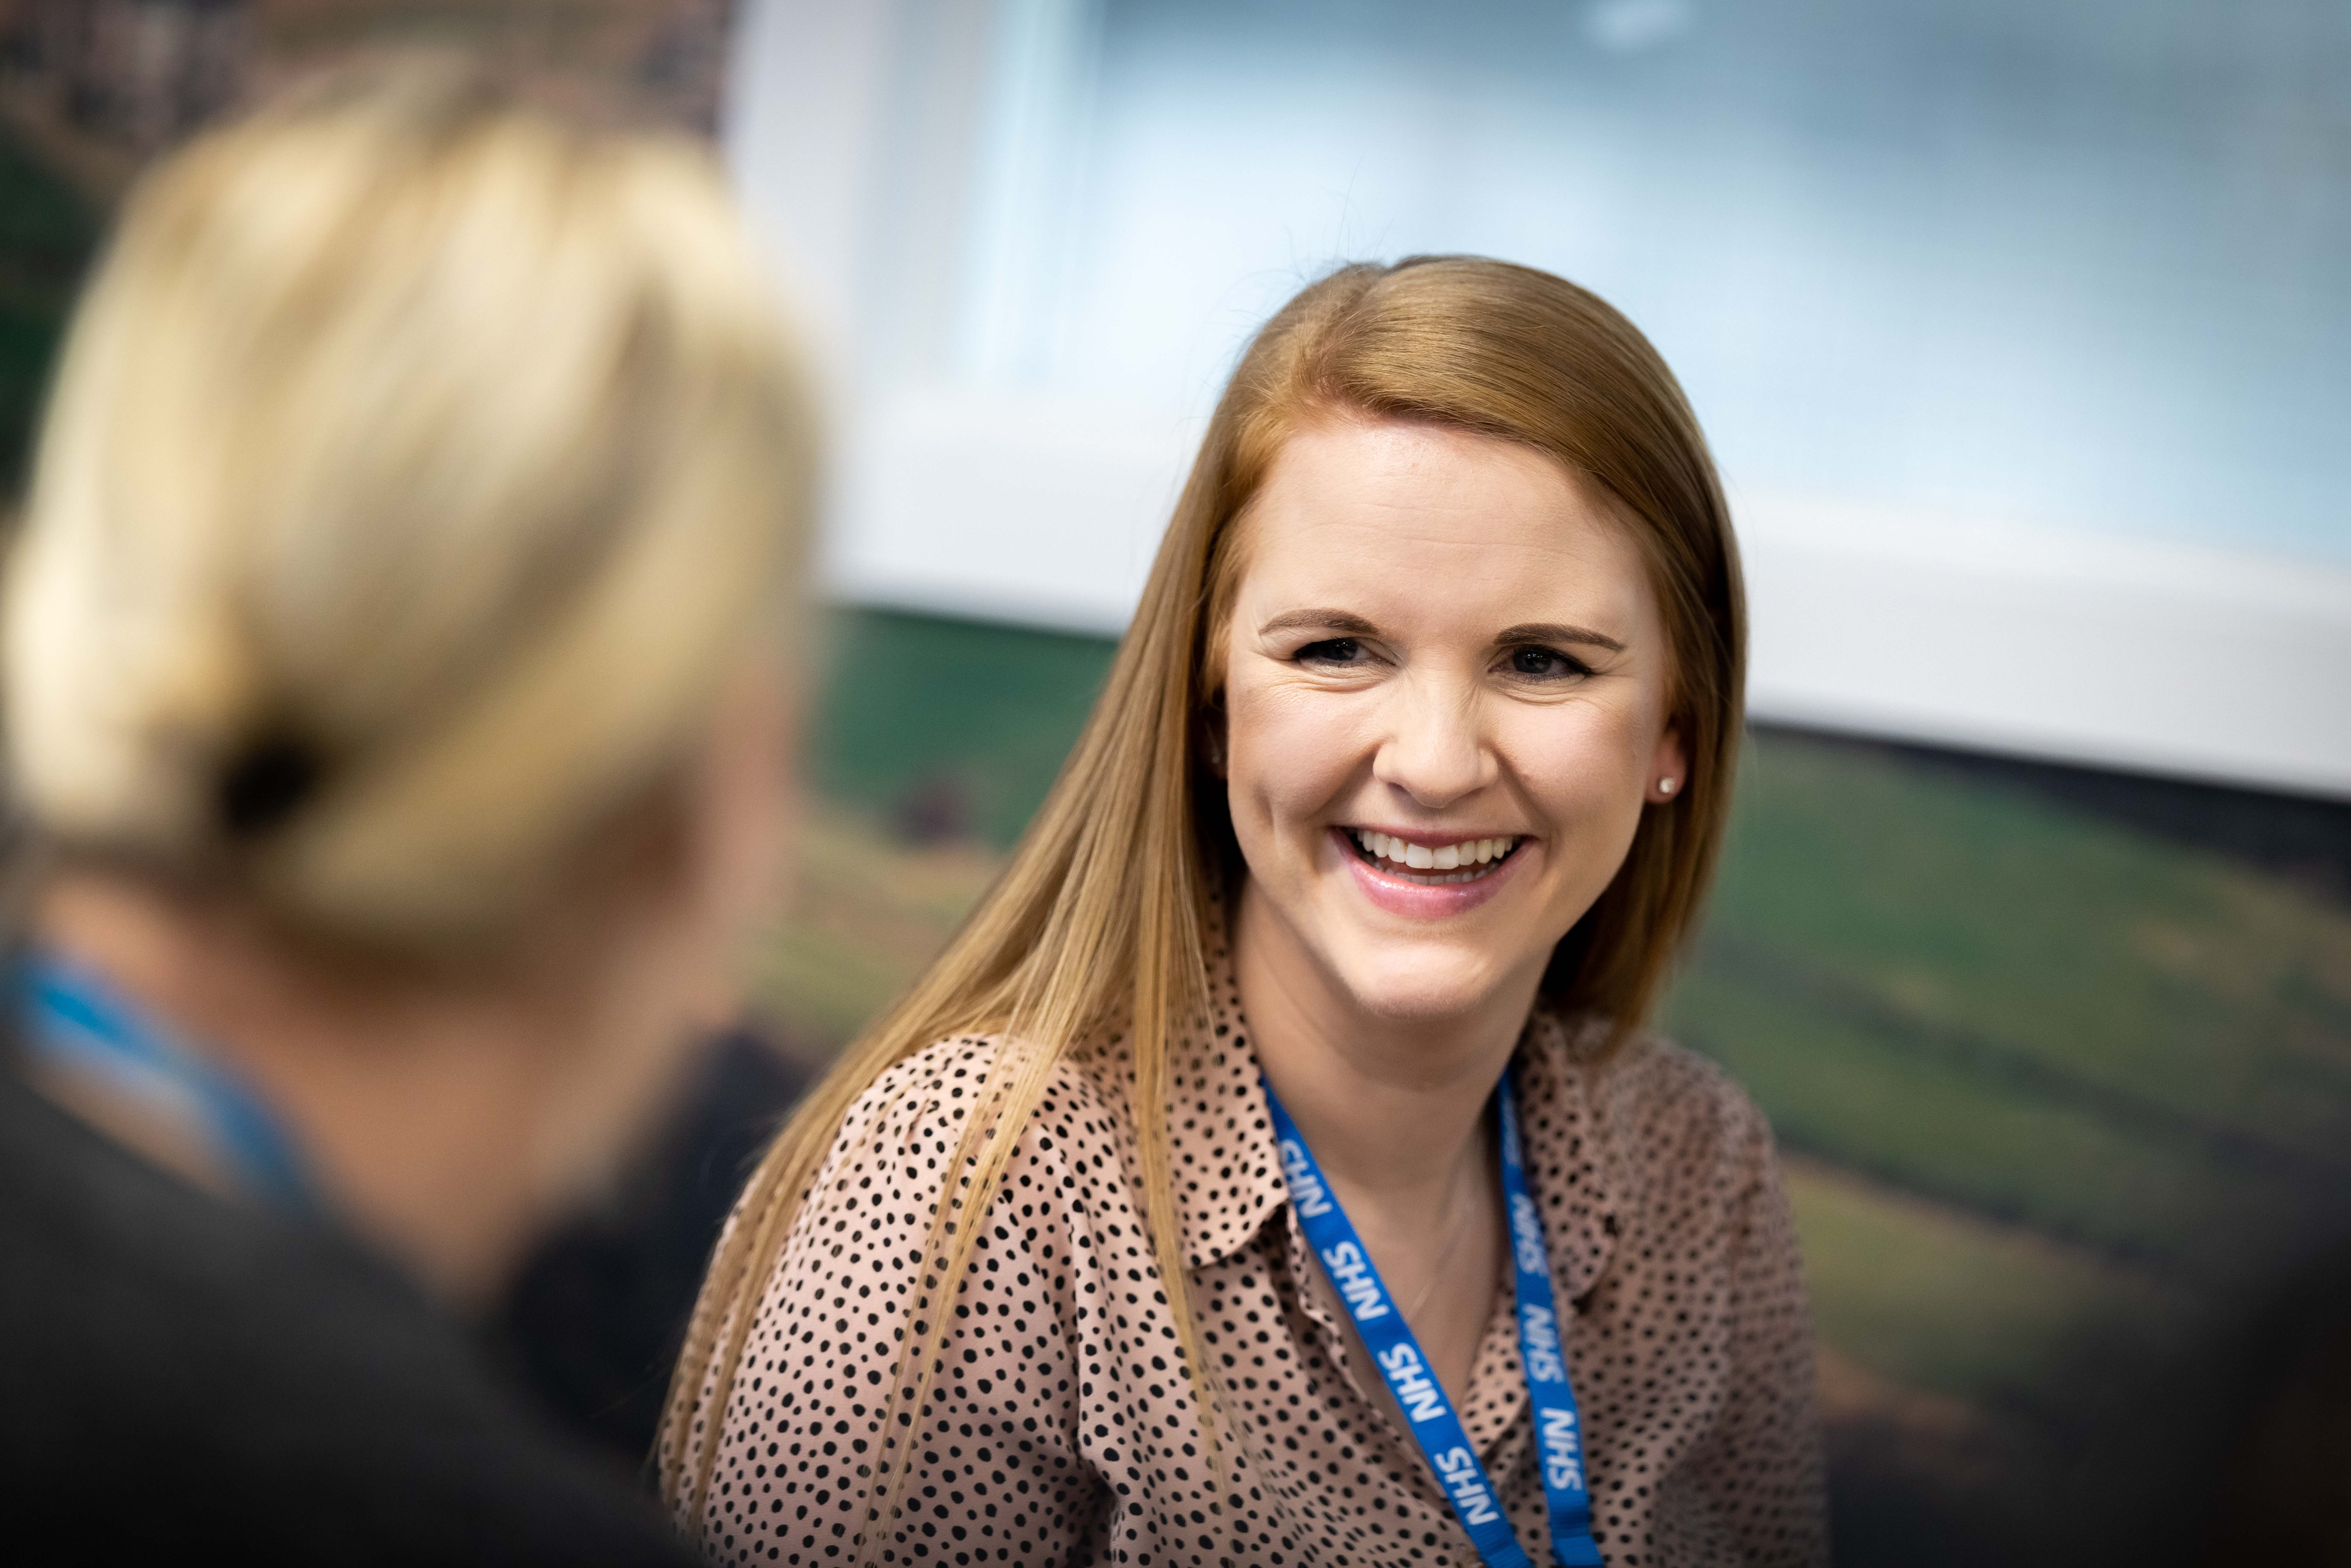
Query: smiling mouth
x,y
1470,860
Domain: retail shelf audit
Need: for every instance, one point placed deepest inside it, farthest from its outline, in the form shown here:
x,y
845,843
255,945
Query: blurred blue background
x,y
2076,263
2017,328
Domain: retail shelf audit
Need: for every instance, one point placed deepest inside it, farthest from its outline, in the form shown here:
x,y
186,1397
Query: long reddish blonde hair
x,y
1096,927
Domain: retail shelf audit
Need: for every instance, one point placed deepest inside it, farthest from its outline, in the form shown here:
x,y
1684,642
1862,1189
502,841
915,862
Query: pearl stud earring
x,y
1665,786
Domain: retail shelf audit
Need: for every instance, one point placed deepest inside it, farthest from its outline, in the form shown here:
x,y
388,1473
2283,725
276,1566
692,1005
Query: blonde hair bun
x,y
419,464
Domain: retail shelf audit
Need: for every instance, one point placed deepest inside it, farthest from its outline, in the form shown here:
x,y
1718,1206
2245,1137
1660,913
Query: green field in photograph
x,y
1944,1301
921,715
1975,993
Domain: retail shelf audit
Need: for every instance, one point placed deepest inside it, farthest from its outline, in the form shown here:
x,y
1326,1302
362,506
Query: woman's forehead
x,y
1404,511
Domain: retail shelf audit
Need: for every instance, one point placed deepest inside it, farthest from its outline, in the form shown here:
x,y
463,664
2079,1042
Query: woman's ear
x,y
1668,768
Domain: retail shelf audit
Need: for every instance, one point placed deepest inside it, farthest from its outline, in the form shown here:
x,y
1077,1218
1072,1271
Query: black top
x,y
187,1376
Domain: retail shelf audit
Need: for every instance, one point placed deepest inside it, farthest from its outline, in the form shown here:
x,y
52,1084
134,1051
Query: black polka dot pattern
x,y
1060,1428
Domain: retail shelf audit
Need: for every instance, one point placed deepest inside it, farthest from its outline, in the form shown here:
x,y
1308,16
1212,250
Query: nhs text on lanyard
x,y
1427,1413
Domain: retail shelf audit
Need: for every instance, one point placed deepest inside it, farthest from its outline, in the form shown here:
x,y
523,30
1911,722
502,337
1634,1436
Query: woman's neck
x,y
1394,1109
413,1117
1392,1106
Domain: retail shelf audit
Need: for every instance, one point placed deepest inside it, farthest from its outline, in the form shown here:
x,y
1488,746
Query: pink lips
x,y
1411,899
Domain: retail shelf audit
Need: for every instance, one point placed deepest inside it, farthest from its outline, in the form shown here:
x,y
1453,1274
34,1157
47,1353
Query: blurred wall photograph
x,y
2020,333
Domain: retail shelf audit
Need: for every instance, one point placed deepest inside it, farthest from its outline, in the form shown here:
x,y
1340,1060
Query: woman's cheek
x,y
1293,750
1582,761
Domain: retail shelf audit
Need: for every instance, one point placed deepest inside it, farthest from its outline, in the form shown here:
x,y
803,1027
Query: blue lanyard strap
x,y
1428,1415
73,1017
1558,1429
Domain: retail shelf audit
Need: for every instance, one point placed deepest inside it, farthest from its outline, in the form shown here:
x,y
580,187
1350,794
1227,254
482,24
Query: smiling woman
x,y
1231,1188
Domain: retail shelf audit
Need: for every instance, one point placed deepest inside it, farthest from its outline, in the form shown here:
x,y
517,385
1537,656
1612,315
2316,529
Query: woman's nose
x,y
1435,751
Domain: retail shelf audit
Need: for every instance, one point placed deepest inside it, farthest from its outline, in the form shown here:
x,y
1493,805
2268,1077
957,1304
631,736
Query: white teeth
x,y
1463,857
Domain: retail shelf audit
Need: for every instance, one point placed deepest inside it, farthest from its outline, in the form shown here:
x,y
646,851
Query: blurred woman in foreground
x,y
398,656
1274,1168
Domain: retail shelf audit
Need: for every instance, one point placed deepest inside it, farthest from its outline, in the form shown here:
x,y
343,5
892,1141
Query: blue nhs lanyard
x,y
1427,1414
75,1019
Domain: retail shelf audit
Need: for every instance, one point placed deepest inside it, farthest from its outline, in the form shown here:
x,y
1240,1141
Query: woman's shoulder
x,y
935,1093
1662,1098
945,1127
140,1308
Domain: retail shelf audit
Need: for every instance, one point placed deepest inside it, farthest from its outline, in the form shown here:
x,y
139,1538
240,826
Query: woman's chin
x,y
1422,988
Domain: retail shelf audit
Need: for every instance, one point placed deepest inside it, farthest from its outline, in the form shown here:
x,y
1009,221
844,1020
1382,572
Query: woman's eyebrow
x,y
1550,631
1339,620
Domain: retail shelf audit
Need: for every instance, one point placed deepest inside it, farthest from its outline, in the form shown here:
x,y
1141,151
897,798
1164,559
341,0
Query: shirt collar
x,y
1220,1140
1228,1175
1568,1160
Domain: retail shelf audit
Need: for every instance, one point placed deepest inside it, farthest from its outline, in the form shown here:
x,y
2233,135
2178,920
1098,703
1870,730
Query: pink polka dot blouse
x,y
1060,1429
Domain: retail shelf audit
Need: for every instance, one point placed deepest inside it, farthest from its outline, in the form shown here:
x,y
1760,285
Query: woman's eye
x,y
1545,665
1336,651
